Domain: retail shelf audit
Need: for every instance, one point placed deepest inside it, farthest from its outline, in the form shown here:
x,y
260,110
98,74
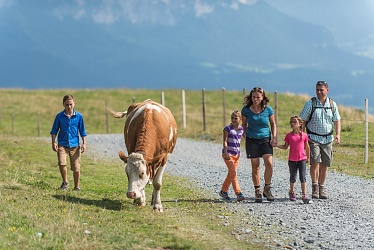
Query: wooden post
x,y
106,118
204,120
184,109
163,98
133,99
244,94
276,110
223,108
366,131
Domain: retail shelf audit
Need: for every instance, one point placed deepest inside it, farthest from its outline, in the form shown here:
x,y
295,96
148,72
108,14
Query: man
x,y
321,118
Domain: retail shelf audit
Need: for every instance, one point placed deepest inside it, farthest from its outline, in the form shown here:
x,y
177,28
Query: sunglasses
x,y
257,89
322,83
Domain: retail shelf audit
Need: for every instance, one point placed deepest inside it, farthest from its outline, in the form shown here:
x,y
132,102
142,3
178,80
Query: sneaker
x,y
64,185
292,196
77,189
322,193
258,195
240,197
306,200
267,193
315,191
224,195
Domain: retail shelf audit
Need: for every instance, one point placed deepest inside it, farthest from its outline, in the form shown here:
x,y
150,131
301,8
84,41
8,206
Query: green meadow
x,y
35,215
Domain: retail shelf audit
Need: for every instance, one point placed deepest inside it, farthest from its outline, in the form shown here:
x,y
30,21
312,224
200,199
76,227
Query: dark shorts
x,y
256,148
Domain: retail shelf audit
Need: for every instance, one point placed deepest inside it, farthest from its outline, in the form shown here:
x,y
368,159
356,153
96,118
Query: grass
x,y
35,215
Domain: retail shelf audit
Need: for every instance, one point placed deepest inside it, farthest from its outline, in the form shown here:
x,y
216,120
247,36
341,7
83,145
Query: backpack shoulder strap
x,y
314,104
332,106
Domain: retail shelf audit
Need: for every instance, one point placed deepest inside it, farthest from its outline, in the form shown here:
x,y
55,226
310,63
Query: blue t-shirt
x,y
257,124
68,129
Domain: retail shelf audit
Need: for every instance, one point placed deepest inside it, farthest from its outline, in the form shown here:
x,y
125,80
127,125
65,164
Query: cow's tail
x,y
116,114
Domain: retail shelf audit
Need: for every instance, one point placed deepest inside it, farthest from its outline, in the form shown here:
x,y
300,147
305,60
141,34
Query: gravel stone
x,y
343,221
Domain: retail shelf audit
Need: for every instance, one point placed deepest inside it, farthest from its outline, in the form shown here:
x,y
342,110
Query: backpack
x,y
314,107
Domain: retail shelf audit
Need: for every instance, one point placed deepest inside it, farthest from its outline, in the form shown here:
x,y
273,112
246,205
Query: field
x,y
35,215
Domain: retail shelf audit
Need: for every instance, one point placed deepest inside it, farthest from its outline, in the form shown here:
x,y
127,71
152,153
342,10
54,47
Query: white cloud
x,y
201,8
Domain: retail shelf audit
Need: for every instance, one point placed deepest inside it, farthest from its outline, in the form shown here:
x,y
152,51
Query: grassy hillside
x,y
37,216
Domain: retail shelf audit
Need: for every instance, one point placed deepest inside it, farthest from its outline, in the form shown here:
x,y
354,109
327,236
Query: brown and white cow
x,y
150,136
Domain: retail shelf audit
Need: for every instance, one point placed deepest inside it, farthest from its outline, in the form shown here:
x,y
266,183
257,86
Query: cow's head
x,y
137,176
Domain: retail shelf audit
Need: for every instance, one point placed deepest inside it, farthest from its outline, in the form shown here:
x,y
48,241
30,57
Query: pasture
x,y
35,215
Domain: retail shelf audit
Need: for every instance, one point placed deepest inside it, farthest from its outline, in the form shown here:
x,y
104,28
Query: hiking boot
x,y
267,193
322,193
64,185
224,195
292,196
315,191
77,189
258,195
240,197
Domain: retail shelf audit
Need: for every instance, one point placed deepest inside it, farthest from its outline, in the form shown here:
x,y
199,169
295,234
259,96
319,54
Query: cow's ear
x,y
122,156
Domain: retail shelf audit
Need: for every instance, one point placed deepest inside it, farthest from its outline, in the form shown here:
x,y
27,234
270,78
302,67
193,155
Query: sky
x,y
351,22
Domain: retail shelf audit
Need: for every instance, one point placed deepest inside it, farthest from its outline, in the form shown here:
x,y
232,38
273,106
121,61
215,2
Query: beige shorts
x,y
321,153
74,156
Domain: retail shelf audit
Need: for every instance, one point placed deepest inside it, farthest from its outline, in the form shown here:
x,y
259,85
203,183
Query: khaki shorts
x,y
74,156
320,153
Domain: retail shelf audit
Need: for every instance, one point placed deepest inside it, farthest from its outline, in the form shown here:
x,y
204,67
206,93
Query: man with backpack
x,y
321,118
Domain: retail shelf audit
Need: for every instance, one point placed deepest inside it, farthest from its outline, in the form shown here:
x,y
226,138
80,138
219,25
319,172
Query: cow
x,y
150,134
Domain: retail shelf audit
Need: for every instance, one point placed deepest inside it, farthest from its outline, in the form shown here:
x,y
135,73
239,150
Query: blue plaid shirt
x,y
68,129
322,121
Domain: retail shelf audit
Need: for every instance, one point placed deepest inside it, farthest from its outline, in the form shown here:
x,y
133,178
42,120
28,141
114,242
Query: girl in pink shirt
x,y
298,156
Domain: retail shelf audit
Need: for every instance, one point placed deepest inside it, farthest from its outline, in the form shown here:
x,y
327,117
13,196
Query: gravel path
x,y
344,221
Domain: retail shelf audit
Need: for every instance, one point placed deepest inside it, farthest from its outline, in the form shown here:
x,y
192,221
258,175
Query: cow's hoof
x,y
158,208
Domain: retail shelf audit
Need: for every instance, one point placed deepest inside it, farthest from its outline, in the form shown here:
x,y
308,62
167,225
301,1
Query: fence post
x,y
184,109
163,98
366,130
244,94
106,118
276,109
223,107
204,121
133,99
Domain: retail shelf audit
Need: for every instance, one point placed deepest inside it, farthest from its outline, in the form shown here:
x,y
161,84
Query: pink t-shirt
x,y
296,142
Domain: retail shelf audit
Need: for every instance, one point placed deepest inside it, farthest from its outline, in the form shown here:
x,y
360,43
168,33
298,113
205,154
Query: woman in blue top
x,y
260,138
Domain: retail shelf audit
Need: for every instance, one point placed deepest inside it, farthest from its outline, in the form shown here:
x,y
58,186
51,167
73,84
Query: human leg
x,y
61,156
268,160
293,171
326,158
75,156
255,164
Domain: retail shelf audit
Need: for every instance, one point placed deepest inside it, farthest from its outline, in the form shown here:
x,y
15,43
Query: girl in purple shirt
x,y
298,156
232,135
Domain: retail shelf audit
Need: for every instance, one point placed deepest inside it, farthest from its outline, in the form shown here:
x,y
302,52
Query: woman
x,y
260,138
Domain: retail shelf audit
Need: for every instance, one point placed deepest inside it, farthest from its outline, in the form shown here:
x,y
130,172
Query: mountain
x,y
174,44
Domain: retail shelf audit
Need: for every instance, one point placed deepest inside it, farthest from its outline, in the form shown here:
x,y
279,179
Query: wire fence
x,y
208,119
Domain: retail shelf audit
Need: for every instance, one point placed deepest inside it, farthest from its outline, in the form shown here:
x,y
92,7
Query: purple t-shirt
x,y
296,142
233,139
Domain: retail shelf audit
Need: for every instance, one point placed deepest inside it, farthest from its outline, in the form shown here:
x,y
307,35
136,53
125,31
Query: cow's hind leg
x,y
157,184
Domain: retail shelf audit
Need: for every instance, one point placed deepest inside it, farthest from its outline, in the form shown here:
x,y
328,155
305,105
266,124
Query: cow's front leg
x,y
157,184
